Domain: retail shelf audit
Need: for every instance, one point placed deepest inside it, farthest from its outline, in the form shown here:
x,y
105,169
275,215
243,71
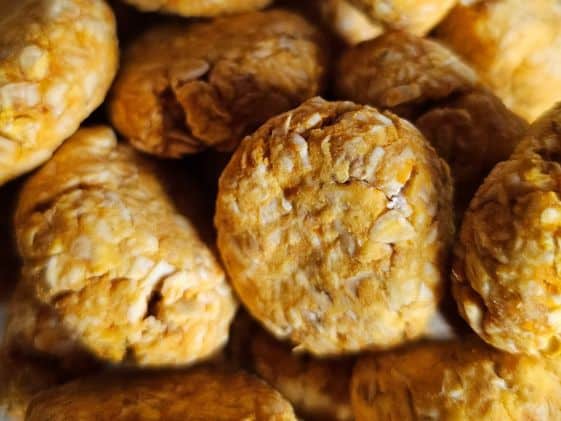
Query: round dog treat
x,y
105,246
506,278
57,61
402,73
202,394
514,45
348,22
199,7
415,16
215,82
458,380
333,222
318,389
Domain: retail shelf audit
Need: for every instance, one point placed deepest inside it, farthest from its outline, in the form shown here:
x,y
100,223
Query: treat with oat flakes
x,y
106,248
462,379
506,271
199,394
333,222
57,61
514,45
199,7
214,82
415,16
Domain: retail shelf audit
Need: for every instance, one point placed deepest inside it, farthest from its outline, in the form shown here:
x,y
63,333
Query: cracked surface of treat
x,y
415,16
104,246
333,222
506,271
348,22
201,394
514,45
317,388
457,380
199,7
402,73
57,61
215,82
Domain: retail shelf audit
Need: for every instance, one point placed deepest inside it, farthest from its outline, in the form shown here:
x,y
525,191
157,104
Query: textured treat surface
x,y
57,61
215,82
199,7
202,394
348,22
104,245
458,380
334,222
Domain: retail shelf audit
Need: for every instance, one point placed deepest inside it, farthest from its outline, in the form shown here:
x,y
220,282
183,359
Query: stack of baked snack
x,y
259,210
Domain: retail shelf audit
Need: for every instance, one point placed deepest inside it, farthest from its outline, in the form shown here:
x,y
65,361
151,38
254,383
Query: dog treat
x,y
506,280
348,22
415,16
458,380
199,7
58,58
334,222
105,247
514,45
201,394
214,82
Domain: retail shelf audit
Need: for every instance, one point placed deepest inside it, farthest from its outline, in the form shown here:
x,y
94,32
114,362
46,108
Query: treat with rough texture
x,y
348,22
514,45
214,82
104,245
201,394
57,61
415,16
458,380
318,389
425,82
506,271
333,222
199,7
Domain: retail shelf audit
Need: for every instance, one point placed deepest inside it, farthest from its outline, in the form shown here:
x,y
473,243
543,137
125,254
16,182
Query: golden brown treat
x,y
103,244
199,7
201,394
348,22
402,73
318,389
472,132
514,45
506,271
415,16
457,380
333,222
215,82
57,61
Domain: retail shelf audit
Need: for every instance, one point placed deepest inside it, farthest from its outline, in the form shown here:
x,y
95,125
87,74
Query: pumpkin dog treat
x,y
105,247
201,394
333,222
215,82
348,22
506,279
318,389
457,380
425,82
57,61
199,7
514,45
415,16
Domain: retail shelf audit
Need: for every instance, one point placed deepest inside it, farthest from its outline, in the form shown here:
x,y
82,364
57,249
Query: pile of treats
x,y
252,210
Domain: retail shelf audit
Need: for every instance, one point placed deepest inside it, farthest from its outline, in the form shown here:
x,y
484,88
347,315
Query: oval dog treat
x,y
214,82
514,45
57,61
202,394
104,245
458,380
334,222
